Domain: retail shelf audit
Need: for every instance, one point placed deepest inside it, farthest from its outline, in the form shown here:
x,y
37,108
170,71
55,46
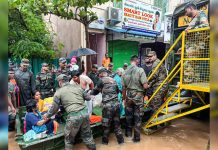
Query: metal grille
x,y
196,58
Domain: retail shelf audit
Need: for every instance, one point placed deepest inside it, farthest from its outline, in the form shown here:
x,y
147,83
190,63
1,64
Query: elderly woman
x,y
34,120
118,79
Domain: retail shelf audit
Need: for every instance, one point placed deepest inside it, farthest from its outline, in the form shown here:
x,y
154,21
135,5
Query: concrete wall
x,y
68,32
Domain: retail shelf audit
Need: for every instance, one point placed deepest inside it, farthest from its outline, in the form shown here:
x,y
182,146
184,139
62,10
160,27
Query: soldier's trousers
x,y
111,114
78,122
158,99
134,113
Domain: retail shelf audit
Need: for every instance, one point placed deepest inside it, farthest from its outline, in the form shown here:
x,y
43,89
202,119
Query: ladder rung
x,y
182,98
175,108
162,117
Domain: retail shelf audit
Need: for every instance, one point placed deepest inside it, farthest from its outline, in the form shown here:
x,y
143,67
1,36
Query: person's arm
x,y
33,84
91,86
55,106
98,88
124,91
41,122
38,83
103,62
143,79
11,105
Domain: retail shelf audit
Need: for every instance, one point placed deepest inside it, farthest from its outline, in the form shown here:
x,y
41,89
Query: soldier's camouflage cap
x,y
125,64
62,77
25,61
62,60
102,69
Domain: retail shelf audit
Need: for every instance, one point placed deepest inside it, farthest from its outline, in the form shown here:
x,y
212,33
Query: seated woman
x,y
34,120
43,105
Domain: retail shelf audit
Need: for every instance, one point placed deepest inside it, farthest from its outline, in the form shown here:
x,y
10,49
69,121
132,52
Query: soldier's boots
x,y
105,140
136,140
91,147
120,139
128,133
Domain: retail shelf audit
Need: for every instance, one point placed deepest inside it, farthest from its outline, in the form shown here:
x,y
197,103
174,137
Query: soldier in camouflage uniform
x,y
72,98
111,110
63,68
25,81
134,84
199,18
93,75
45,82
111,73
156,80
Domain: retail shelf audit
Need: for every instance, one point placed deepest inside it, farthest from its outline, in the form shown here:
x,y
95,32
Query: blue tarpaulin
x,y
129,31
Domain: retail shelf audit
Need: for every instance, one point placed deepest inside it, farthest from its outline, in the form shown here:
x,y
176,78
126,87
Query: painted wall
x,y
67,32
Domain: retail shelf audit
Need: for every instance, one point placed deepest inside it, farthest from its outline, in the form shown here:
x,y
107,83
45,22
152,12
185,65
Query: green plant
x,y
28,35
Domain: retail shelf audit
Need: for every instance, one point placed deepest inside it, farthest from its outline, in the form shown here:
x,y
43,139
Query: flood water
x,y
182,134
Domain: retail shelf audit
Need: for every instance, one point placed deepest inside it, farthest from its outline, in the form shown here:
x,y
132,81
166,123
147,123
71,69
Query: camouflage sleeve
x,y
153,79
97,88
37,82
123,82
203,17
143,78
33,84
55,105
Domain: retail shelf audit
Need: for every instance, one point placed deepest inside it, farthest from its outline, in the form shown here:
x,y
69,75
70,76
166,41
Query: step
x,y
182,99
162,117
175,108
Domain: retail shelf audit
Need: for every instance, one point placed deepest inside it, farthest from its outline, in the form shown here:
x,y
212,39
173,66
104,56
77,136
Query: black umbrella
x,y
81,52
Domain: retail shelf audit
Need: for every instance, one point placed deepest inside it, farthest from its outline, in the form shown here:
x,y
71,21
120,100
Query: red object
x,y
94,119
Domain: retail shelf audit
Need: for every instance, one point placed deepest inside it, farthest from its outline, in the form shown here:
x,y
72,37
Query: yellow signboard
x,y
184,20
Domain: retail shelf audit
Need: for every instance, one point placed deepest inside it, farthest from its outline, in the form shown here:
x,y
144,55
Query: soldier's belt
x,y
115,104
82,112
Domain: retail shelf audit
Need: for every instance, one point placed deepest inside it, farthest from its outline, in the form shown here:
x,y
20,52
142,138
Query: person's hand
x,y
45,117
187,30
124,102
13,110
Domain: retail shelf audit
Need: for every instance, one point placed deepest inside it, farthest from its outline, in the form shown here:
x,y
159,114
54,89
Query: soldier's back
x,y
134,78
109,90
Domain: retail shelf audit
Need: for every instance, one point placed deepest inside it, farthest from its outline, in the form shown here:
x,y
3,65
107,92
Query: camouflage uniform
x,y
111,109
198,22
26,83
133,81
72,98
94,77
111,74
155,81
45,84
195,47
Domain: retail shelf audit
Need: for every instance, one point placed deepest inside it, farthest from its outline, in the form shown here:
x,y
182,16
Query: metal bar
x,y
166,55
195,88
199,29
182,57
199,96
161,107
162,83
174,75
196,58
180,115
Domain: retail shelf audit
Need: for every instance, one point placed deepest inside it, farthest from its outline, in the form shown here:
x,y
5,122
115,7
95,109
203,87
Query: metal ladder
x,y
183,105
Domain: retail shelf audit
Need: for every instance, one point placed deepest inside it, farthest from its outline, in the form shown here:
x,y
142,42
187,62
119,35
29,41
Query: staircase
x,y
193,70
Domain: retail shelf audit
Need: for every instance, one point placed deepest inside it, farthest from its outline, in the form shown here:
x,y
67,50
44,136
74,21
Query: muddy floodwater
x,y
182,134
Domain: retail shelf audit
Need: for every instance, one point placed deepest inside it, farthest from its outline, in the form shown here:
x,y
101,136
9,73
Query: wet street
x,y
182,134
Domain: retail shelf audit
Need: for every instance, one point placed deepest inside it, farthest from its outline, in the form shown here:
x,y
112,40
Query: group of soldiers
x,y
72,97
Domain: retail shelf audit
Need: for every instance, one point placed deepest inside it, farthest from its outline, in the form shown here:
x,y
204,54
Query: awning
x,y
120,30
